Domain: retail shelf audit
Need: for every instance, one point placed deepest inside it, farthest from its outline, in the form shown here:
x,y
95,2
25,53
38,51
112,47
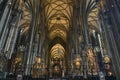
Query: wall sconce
x,y
78,61
107,65
109,73
106,59
38,59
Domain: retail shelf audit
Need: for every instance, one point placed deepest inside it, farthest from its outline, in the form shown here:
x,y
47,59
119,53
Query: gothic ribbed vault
x,y
58,16
60,38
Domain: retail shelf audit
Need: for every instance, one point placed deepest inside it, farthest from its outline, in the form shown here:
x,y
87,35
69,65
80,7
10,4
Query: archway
x,y
57,60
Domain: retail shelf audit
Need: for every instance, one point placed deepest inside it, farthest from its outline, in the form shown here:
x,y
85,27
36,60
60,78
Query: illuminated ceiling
x,y
25,22
93,18
58,14
57,51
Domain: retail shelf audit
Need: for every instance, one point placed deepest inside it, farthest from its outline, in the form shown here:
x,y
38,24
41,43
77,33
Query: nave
x,y
60,39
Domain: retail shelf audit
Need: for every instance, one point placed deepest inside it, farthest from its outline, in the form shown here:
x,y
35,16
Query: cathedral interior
x,y
60,39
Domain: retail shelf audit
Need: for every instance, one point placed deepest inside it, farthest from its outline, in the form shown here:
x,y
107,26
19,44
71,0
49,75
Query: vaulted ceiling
x,y
57,51
58,14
